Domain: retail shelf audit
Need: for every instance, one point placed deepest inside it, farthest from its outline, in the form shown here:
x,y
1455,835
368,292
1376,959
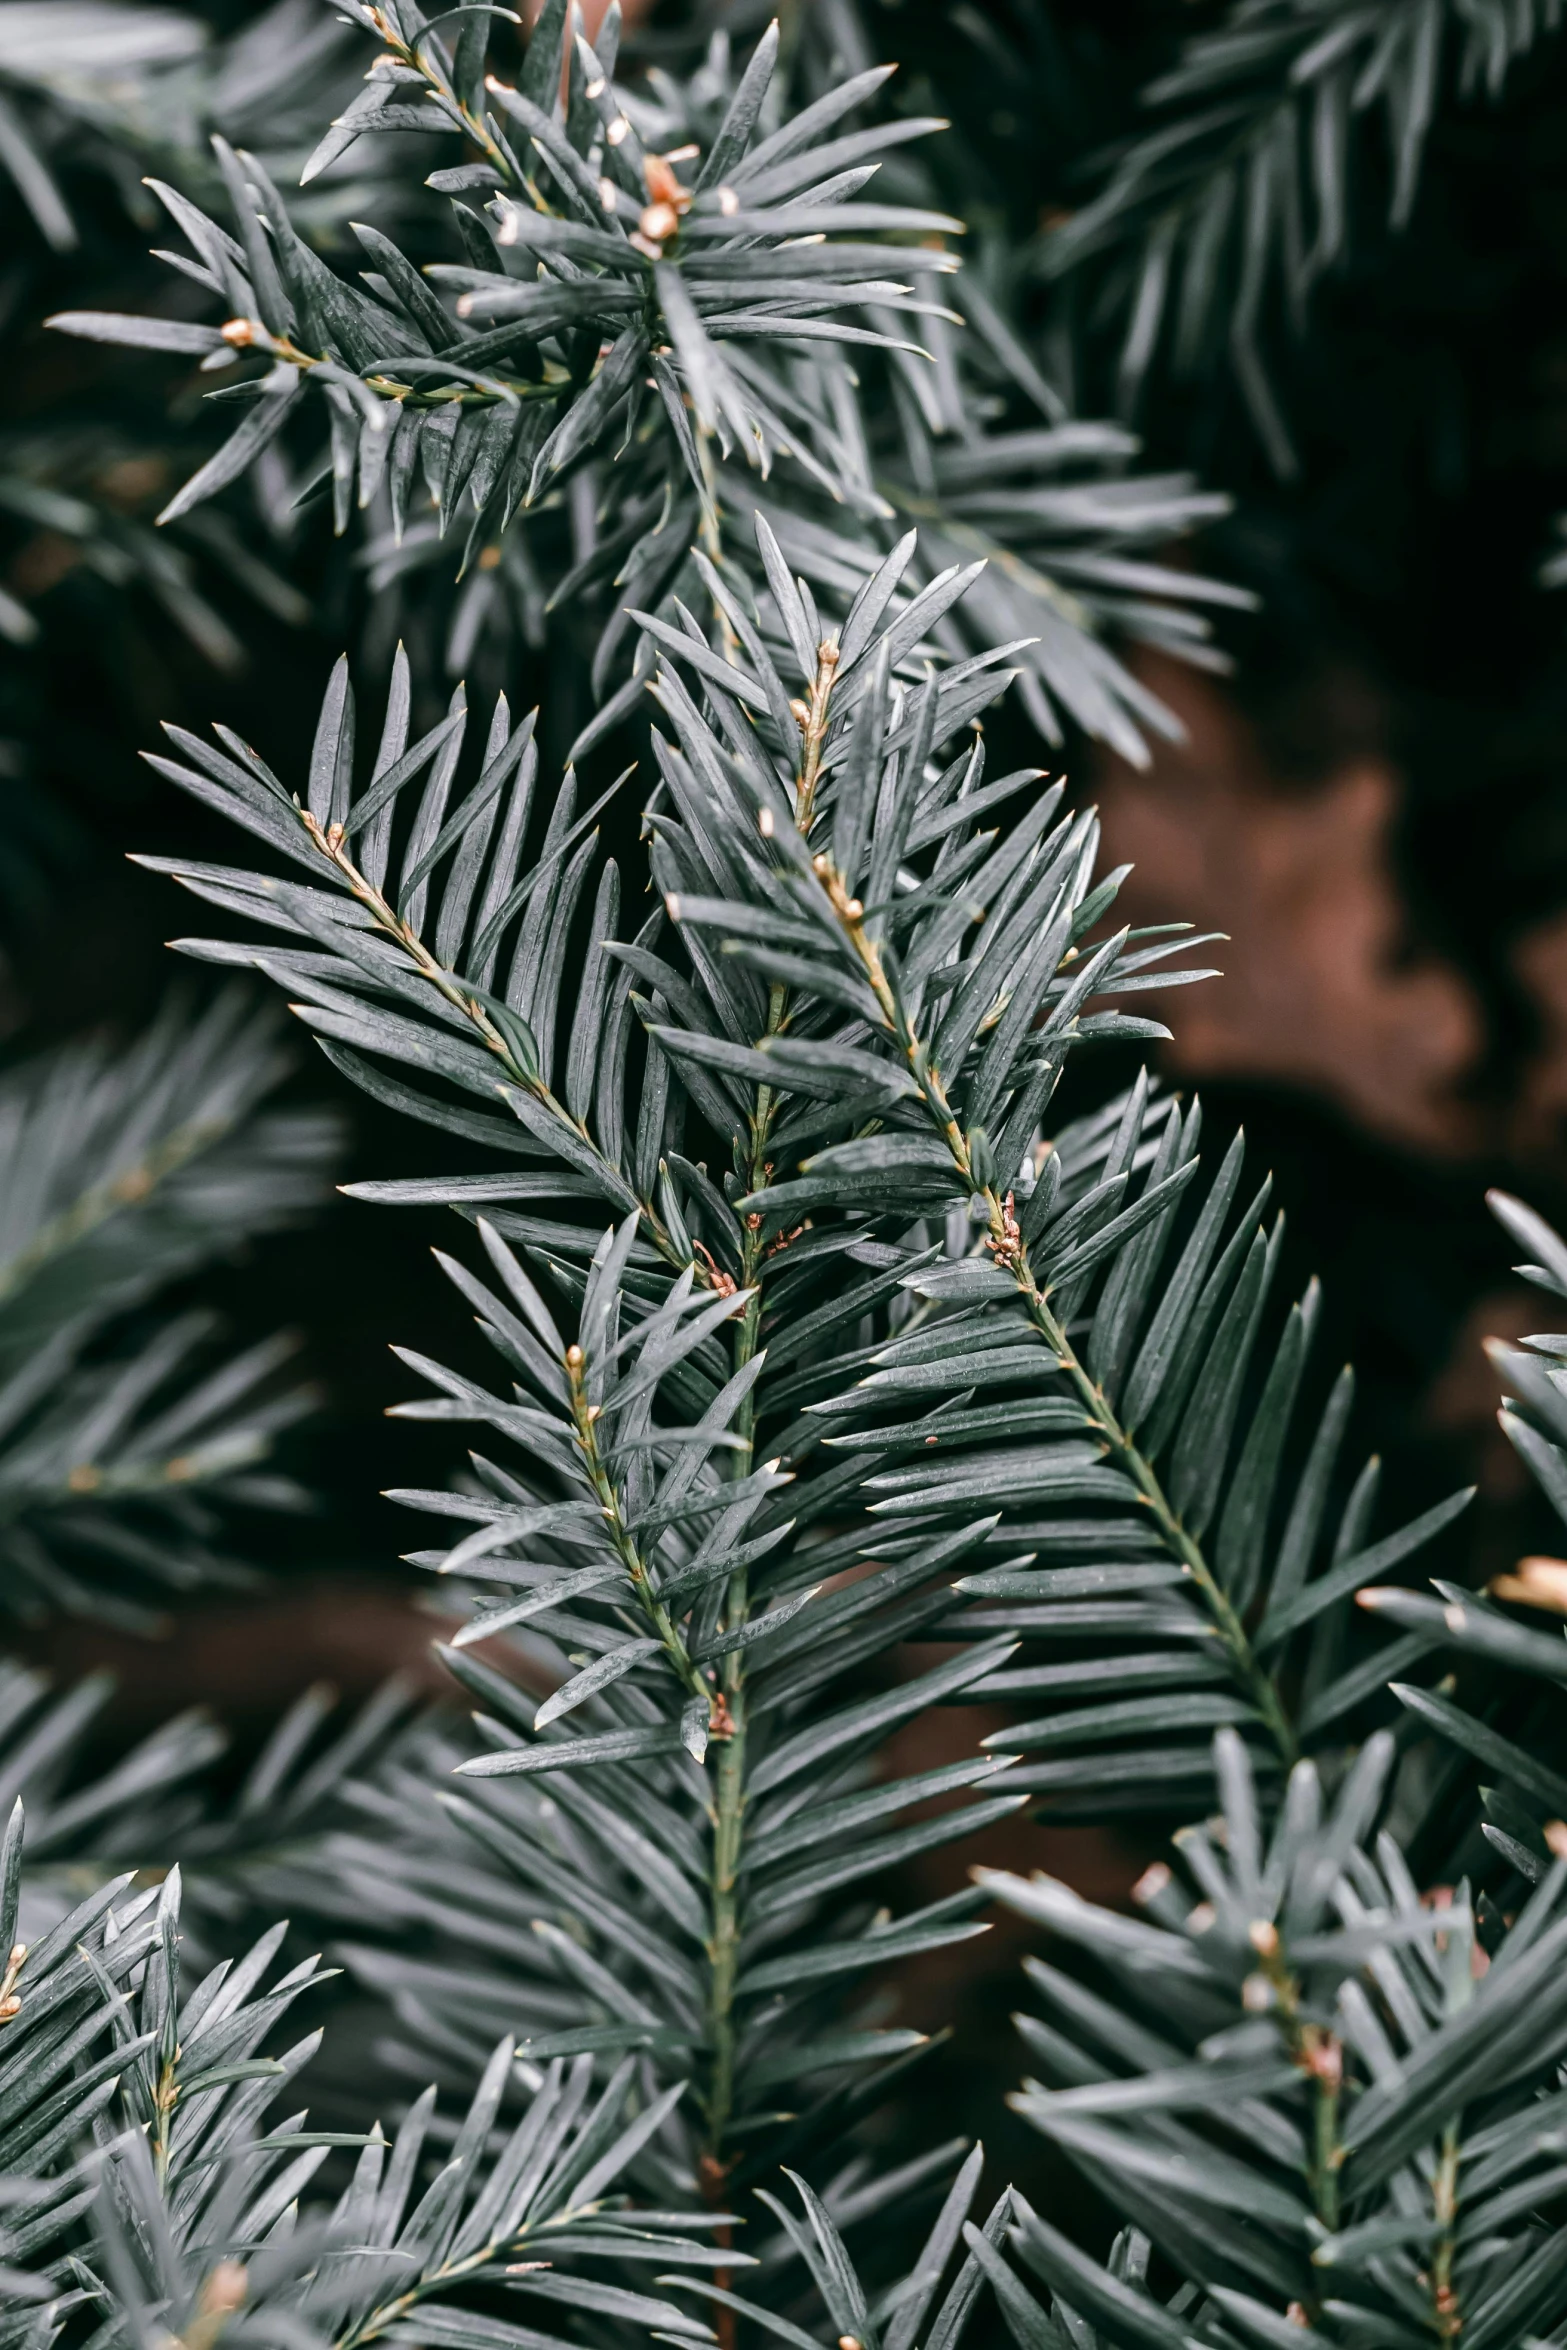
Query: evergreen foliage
x,y
122,1174
858,1353
668,302
1225,214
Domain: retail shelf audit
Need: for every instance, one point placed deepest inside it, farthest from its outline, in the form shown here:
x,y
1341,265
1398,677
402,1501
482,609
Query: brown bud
x,y
1325,2061
240,332
662,184
1535,1582
658,221
1151,1883
225,2289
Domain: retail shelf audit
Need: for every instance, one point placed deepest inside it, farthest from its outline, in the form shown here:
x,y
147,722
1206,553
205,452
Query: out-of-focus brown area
x,y
1323,988
1327,986
1540,961
250,1656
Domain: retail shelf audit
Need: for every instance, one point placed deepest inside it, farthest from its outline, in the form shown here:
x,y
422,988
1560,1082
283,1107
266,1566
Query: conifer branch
x,y
1010,1251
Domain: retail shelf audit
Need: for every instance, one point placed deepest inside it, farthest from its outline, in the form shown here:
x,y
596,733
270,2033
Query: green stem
x,y
454,2272
813,730
165,2098
1319,2054
472,125
728,1811
724,1947
1446,2313
1251,1674
729,1794
584,1419
1326,2152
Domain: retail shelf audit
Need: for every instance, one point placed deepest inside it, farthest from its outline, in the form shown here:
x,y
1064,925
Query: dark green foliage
x,y
122,1173
1505,1723
848,1026
186,2200
1246,189
570,340
242,1847
859,1350
1334,2098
